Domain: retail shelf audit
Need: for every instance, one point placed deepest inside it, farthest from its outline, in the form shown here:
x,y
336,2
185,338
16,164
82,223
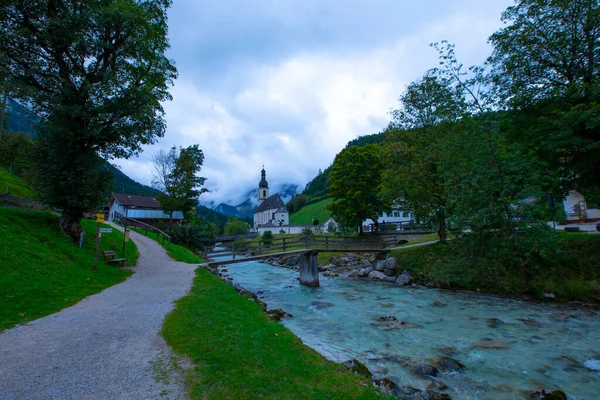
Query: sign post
x,y
99,221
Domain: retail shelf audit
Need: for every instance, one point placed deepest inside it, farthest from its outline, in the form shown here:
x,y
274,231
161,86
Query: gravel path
x,y
107,346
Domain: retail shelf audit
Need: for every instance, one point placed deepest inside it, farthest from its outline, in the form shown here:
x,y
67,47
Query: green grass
x,y
16,186
316,210
42,272
176,252
239,354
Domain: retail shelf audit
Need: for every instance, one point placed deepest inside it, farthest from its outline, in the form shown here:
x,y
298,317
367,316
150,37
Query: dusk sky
x,y
288,83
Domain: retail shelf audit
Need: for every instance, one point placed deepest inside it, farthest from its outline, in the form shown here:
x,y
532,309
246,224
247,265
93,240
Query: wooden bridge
x,y
307,248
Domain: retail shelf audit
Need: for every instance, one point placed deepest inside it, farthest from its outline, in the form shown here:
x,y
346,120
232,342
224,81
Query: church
x,y
271,211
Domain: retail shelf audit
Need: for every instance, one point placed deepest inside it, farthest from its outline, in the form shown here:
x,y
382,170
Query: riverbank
x,y
240,353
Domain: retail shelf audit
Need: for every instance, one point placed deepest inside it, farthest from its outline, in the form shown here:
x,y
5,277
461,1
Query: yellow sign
x,y
99,217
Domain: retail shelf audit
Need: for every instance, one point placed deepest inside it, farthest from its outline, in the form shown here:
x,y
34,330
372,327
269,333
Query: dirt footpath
x,y
107,346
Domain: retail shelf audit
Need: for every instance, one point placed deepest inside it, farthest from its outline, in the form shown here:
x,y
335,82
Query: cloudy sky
x,y
287,83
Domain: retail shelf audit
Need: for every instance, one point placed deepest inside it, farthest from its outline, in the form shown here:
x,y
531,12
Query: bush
x,y
235,226
267,238
190,236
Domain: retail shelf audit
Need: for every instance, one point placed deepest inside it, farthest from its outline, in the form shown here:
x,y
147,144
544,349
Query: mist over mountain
x,y
245,210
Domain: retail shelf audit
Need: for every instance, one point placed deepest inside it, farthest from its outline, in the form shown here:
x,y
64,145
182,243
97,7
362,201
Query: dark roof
x,y
272,203
128,200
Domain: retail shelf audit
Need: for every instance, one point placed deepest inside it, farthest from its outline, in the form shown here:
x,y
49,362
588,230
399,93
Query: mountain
x,y
20,119
124,184
245,210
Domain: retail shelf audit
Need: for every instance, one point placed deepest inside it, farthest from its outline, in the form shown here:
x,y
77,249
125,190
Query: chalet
x,y
578,210
143,208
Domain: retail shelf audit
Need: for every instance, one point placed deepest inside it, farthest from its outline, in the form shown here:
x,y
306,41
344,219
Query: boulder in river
x,y
390,272
364,272
492,344
277,314
548,395
422,369
403,279
366,263
449,364
387,386
438,303
358,368
320,304
390,263
376,275
380,265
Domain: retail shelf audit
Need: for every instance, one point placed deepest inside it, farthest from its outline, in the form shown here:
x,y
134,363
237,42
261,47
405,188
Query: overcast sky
x,y
287,83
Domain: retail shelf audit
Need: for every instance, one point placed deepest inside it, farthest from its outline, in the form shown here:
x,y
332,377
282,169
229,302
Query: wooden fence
x,y
121,219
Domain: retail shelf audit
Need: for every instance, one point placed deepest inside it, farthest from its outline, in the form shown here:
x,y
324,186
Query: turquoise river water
x,y
508,347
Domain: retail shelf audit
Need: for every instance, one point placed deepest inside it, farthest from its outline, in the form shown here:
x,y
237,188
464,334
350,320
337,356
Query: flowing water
x,y
507,346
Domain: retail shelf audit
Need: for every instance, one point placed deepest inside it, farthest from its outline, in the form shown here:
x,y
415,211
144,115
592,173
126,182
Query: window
x,y
264,193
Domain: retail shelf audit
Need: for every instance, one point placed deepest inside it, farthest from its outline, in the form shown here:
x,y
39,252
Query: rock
x,y
390,263
352,257
237,287
335,260
320,304
391,279
358,368
344,260
387,318
592,364
376,275
548,395
448,350
449,364
380,265
410,393
389,272
247,293
494,322
387,386
423,369
364,272
438,304
262,305
277,314
433,395
492,344
291,261
549,295
403,279
366,263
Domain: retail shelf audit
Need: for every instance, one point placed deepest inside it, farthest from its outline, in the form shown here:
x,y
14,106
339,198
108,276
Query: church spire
x,y
263,186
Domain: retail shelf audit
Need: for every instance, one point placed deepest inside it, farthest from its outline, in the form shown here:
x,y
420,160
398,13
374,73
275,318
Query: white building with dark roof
x,y
138,207
271,211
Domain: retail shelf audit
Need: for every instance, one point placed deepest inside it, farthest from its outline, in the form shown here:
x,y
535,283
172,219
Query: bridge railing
x,y
283,244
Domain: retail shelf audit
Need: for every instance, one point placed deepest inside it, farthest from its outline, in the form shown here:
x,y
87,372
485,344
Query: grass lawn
x,y
16,186
239,353
306,213
42,272
176,252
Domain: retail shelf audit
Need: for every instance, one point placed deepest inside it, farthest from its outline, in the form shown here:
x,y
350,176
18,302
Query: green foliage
x,y
238,353
124,184
546,66
190,236
310,212
208,216
15,152
319,186
175,173
236,226
296,203
41,272
354,184
532,263
176,251
267,238
99,95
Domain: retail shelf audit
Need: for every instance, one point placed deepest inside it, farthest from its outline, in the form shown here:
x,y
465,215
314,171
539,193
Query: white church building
x,y
271,212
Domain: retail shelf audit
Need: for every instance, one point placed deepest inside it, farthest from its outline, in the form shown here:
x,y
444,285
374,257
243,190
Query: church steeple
x,y
263,187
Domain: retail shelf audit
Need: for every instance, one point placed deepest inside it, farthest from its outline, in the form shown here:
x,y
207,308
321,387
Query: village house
x,y
142,208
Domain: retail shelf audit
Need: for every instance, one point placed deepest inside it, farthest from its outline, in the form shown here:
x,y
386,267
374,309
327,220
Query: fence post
x,y
234,250
284,247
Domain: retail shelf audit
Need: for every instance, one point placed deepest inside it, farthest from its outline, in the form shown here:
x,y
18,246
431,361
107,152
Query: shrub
x,y
267,238
190,236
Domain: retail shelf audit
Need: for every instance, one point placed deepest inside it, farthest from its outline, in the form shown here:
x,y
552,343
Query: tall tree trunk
x,y
442,226
70,224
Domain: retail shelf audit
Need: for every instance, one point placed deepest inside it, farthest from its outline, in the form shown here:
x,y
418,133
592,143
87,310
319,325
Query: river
x,y
508,347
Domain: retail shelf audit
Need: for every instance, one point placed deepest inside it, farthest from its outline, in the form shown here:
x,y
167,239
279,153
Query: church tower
x,y
263,187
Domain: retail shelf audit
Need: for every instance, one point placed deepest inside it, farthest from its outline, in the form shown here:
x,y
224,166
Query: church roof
x,y
263,180
272,203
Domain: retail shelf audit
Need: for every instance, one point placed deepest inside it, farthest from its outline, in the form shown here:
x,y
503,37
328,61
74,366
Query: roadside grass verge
x,y
317,210
430,237
567,267
42,272
238,353
176,251
15,185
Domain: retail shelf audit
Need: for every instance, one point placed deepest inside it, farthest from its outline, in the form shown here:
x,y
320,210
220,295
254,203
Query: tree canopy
x,y
96,74
354,185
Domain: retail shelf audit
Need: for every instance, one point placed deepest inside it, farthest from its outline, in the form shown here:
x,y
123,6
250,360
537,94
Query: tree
x,y
547,67
235,226
96,74
354,185
418,142
176,175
